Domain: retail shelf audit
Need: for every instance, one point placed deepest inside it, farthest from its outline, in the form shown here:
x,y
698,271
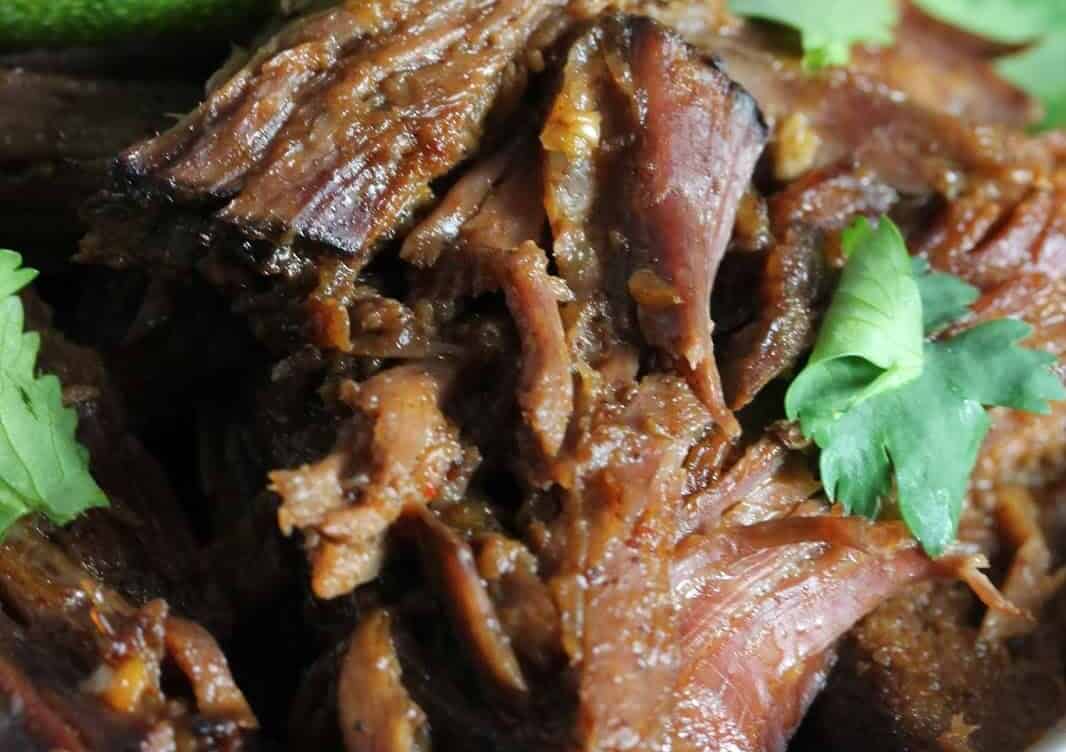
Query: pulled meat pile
x,y
477,314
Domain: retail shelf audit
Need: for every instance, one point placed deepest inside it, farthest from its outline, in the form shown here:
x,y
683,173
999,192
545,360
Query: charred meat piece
x,y
370,102
294,172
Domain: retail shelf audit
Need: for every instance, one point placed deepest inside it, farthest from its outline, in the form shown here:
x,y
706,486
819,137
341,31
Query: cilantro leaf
x,y
13,278
827,28
43,468
920,436
945,297
871,337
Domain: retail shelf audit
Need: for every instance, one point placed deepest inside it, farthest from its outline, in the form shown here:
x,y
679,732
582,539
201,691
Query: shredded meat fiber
x,y
478,314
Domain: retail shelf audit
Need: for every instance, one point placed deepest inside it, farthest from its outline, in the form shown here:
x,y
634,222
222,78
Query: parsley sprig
x,y
888,429
43,468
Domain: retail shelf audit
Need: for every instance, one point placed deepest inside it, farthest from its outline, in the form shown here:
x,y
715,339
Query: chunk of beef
x,y
650,150
546,385
852,116
399,452
990,240
374,101
692,164
803,218
451,560
790,289
482,238
363,109
753,665
375,710
748,674
623,485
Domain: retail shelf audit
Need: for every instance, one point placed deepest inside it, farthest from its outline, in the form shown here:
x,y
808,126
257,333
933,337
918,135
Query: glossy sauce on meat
x,y
495,464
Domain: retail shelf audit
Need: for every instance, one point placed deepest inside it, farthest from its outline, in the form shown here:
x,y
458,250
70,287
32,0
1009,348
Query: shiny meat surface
x,y
462,330
613,581
371,101
650,221
375,710
753,666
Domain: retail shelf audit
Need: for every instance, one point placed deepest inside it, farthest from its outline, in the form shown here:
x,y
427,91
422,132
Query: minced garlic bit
x,y
795,146
571,130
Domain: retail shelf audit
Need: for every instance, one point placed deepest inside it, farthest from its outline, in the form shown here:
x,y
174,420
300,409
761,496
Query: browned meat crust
x,y
372,101
498,427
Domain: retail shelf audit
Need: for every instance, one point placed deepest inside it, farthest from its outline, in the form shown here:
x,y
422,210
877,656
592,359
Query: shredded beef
x,y
504,467
650,152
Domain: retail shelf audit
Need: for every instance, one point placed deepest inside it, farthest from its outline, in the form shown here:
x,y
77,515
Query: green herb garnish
x,y
882,423
25,23
827,28
43,468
